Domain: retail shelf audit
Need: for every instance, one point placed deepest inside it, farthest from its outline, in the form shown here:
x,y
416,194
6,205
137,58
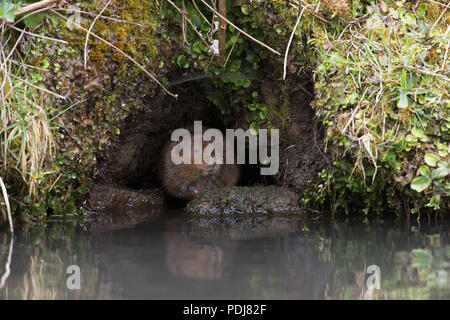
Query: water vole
x,y
186,181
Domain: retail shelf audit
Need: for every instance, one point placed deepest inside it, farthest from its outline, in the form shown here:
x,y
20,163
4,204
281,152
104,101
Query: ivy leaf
x,y
420,183
235,65
252,106
424,171
182,62
244,9
7,10
254,128
442,171
431,159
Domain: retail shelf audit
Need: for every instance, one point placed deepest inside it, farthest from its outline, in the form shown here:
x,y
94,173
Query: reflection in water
x,y
5,275
172,258
193,259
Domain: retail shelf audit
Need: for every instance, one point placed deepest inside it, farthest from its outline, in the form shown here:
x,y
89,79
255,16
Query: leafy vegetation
x,y
381,86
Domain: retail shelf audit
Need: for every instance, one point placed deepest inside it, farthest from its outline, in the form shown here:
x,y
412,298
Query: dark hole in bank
x,y
133,161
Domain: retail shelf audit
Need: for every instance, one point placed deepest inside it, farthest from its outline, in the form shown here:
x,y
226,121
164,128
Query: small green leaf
x,y
7,9
244,9
254,128
439,173
263,113
182,62
431,159
424,170
420,183
402,101
403,79
409,19
235,65
252,106
33,20
205,26
422,11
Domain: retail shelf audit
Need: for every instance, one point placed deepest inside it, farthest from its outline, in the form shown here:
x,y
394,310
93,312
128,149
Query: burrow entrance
x,y
133,160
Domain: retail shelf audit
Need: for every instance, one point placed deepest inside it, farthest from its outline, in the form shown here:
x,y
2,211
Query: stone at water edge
x,y
244,200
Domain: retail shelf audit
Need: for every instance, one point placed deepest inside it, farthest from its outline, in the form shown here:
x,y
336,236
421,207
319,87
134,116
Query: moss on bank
x,y
97,98
381,87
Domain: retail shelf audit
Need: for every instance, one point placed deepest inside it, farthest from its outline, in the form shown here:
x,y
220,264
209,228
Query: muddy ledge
x,y
120,207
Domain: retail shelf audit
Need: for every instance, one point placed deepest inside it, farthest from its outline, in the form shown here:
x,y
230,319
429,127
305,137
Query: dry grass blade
x,y
35,6
8,207
103,17
89,32
39,88
38,35
290,41
183,13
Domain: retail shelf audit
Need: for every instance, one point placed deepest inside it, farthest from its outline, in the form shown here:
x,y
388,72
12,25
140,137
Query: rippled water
x,y
171,258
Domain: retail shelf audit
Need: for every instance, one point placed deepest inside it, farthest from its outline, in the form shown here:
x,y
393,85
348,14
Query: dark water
x,y
170,258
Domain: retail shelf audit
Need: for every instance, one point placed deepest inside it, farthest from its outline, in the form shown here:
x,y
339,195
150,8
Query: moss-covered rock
x,y
258,200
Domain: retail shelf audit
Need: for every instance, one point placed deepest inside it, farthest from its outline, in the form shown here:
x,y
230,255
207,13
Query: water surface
x,y
171,258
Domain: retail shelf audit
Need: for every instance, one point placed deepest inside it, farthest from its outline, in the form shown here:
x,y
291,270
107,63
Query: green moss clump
x,y
89,119
381,90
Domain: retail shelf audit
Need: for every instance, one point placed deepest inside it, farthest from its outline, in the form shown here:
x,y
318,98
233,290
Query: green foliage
x,y
385,106
233,88
8,10
53,144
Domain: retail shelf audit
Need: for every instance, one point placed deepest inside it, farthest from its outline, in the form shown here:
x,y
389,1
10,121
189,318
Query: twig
x,y
17,63
183,13
222,32
123,53
32,13
183,24
37,87
38,35
196,7
439,18
231,50
313,12
446,50
440,3
89,32
35,6
103,17
3,66
429,73
239,29
290,41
